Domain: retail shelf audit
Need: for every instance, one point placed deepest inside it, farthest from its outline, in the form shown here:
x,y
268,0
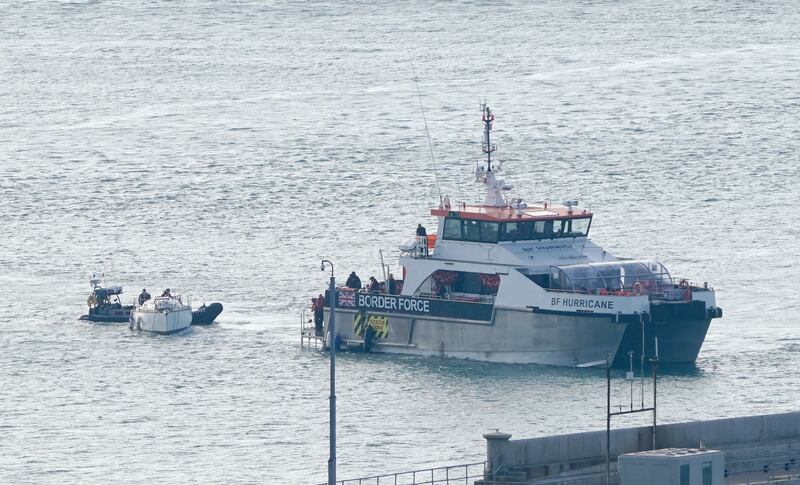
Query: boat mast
x,y
486,176
487,147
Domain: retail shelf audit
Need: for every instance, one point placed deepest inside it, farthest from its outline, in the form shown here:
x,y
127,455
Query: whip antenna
x,y
427,133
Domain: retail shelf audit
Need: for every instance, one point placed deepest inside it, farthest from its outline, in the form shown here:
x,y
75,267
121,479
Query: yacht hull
x,y
511,336
160,322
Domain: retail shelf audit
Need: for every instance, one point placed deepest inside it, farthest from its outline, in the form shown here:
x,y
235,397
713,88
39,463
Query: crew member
x,y
143,296
166,293
318,305
392,285
422,238
353,281
374,286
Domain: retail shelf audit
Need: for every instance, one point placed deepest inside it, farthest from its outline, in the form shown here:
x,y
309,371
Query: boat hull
x,y
123,315
680,327
160,322
207,314
108,314
511,336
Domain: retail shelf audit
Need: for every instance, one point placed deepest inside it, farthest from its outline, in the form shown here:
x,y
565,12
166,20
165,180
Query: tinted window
x,y
549,229
707,473
489,232
684,474
538,230
577,227
452,229
471,230
558,228
515,231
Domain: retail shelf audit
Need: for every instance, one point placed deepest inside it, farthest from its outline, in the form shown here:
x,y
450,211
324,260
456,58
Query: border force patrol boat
x,y
505,281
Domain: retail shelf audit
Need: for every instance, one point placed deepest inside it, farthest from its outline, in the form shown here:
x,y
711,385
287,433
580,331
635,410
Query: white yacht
x,y
165,314
507,281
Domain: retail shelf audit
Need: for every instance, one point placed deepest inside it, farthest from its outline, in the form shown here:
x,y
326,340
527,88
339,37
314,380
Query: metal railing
x,y
768,470
446,475
308,332
424,247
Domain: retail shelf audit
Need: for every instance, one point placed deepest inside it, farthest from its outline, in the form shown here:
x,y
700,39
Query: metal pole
x,y
630,357
641,320
608,423
655,392
383,270
332,398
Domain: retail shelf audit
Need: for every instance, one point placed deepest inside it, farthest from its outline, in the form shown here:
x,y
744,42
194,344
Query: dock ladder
x,y
308,333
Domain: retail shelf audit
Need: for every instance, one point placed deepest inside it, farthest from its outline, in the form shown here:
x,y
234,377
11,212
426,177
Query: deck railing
x,y
446,475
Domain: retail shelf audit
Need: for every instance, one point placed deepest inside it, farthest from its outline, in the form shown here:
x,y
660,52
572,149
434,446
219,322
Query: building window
x,y
707,473
685,474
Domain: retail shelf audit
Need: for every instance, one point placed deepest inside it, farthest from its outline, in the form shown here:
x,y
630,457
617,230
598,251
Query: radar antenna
x,y
486,176
487,147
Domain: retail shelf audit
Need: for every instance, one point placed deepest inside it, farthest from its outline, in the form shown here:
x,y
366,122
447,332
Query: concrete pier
x,y
755,446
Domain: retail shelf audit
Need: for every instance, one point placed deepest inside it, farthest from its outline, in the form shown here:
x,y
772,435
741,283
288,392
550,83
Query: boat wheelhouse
x,y
105,304
506,281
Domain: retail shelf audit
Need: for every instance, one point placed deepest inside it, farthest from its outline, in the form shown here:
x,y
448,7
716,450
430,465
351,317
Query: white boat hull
x,y
163,322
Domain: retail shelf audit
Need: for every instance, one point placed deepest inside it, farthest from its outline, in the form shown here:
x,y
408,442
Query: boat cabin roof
x,y
510,214
108,291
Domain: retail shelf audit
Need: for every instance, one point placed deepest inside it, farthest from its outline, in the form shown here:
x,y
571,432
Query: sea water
x,y
222,149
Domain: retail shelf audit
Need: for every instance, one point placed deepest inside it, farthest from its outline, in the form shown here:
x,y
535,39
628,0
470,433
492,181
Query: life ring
x,y
684,283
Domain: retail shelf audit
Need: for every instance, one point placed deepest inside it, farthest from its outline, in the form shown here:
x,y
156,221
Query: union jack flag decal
x,y
347,298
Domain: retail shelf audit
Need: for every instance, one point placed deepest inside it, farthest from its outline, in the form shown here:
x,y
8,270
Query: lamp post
x,y
332,350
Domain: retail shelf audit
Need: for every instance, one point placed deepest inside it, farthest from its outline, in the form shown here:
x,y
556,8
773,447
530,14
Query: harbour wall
x,y
749,443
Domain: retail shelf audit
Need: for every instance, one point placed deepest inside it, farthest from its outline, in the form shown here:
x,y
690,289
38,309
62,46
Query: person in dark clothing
x,y
318,305
143,296
422,238
166,293
374,285
353,281
392,285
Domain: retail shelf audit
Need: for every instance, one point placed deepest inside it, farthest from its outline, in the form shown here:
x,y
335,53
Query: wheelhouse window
x,y
515,231
492,232
471,230
577,227
489,232
452,229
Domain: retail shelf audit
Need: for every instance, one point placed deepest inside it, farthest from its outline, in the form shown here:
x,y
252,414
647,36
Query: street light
x,y
332,349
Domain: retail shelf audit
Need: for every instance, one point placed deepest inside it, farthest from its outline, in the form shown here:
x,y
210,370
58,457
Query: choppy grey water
x,y
223,148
